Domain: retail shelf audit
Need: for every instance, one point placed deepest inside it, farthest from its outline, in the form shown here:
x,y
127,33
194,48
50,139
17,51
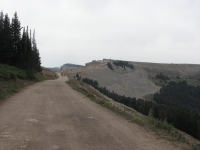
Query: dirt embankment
x,y
46,74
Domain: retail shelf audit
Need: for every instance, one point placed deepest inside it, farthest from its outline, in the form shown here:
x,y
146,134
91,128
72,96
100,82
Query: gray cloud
x,y
79,31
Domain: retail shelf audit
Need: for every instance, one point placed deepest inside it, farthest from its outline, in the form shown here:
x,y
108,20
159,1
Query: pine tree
x,y
17,50
156,113
1,20
22,56
16,37
1,36
36,54
7,51
28,55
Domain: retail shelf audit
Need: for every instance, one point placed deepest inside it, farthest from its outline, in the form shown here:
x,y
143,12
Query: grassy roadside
x,y
162,129
13,79
8,88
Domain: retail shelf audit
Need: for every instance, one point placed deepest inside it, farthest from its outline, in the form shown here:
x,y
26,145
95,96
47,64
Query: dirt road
x,y
50,115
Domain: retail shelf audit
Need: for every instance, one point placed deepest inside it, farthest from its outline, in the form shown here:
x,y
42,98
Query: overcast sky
x,y
79,31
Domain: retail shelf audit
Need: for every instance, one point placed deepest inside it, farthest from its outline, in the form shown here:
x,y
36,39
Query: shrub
x,y
13,76
162,76
123,64
110,66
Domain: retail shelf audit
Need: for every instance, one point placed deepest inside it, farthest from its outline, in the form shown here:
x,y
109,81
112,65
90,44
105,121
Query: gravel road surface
x,y
51,115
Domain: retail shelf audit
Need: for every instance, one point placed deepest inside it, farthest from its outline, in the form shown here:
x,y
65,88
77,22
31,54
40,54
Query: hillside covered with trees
x,y
18,46
177,103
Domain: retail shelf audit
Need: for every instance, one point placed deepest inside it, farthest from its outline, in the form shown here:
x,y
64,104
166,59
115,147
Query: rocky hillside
x,y
139,81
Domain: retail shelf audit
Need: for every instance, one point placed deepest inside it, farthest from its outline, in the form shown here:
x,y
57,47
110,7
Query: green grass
x,y
10,72
171,133
2,95
12,79
10,87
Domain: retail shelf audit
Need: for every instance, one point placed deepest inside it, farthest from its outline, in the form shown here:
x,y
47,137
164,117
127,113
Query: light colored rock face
x,y
134,83
131,83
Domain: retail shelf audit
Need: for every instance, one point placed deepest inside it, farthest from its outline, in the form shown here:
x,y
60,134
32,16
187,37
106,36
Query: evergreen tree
x,y
7,51
22,57
29,56
36,55
1,36
1,20
16,37
17,50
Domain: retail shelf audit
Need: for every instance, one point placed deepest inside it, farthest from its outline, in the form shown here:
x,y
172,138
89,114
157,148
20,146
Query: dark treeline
x,y
162,76
179,94
18,49
178,114
90,82
123,64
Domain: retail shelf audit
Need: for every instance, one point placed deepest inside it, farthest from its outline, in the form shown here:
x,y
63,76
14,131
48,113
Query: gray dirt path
x,y
51,115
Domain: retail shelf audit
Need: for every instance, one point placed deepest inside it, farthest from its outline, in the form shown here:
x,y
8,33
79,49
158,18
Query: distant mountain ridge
x,y
70,67
65,67
54,68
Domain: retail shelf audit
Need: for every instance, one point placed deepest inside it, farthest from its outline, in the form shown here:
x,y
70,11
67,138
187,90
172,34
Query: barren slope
x,y
135,83
50,115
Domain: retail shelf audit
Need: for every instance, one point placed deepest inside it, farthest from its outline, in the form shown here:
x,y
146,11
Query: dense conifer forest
x,y
18,46
177,103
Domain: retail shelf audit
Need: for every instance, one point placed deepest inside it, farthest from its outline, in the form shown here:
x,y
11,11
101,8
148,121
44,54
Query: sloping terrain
x,y
51,115
137,82
48,74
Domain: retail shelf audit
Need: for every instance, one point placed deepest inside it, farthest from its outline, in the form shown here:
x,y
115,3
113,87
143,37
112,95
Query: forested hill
x,y
18,45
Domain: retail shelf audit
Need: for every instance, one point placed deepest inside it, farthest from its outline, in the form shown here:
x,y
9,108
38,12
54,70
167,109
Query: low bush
x,y
110,66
